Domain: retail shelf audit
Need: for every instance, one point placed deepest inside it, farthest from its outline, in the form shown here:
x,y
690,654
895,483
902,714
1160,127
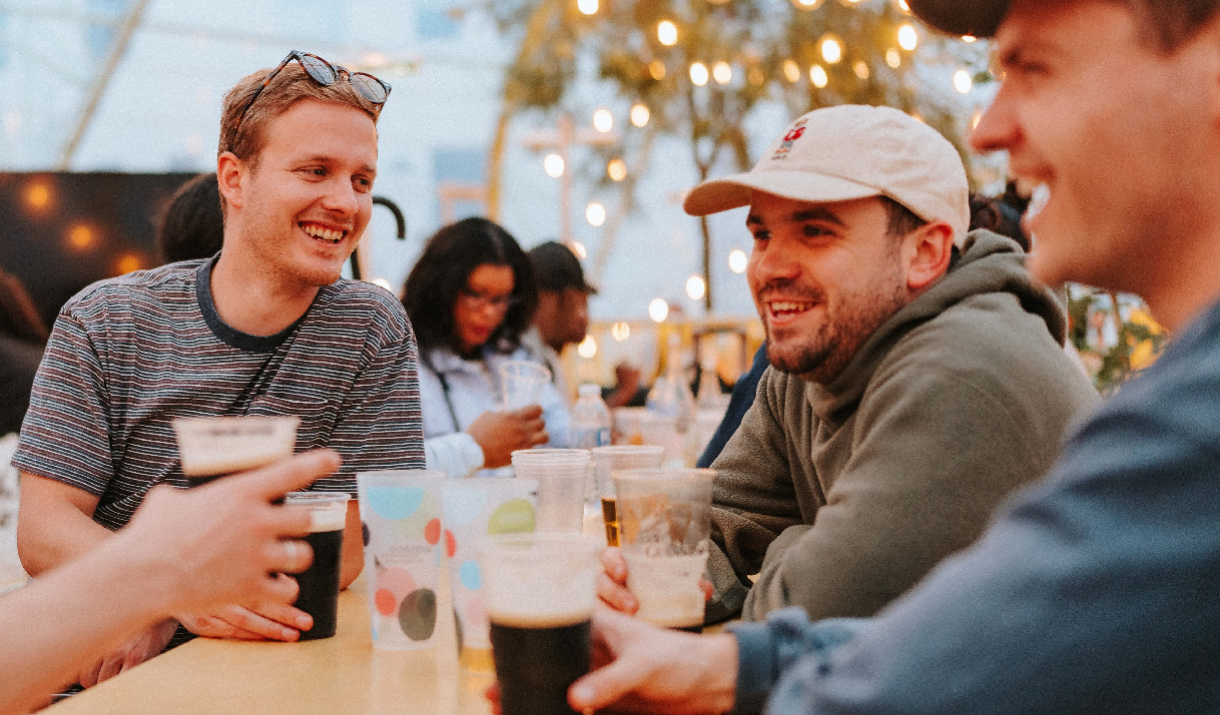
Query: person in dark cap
x,y
562,317
1094,590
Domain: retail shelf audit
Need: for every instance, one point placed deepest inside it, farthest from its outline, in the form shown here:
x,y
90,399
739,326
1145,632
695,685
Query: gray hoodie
x,y
842,496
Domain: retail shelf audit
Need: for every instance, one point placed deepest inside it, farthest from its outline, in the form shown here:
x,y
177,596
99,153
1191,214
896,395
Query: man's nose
x,y
341,197
998,128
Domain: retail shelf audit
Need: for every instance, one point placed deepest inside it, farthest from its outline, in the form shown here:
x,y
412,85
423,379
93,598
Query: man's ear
x,y
229,174
927,251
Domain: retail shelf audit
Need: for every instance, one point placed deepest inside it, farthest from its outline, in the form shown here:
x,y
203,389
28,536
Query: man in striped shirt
x,y
264,328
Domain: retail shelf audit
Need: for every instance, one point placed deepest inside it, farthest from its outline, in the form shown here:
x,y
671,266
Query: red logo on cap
x,y
793,134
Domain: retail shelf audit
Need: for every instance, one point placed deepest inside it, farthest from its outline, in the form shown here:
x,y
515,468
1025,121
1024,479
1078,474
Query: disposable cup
x,y
664,521
401,515
472,510
541,590
318,592
608,459
522,382
561,475
212,447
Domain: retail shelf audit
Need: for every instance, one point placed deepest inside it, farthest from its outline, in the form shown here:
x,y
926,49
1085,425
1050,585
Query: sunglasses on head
x,y
325,74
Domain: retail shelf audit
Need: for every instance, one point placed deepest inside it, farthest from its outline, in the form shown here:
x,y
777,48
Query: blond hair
x,y
246,136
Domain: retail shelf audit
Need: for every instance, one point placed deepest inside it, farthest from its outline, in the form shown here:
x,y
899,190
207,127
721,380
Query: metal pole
x,y
117,50
707,265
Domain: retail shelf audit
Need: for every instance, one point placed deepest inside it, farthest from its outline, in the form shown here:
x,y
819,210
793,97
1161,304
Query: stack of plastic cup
x,y
521,383
561,475
664,520
401,515
607,460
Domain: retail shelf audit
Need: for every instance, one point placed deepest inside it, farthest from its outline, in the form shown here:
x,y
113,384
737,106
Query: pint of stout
x,y
212,447
541,589
318,594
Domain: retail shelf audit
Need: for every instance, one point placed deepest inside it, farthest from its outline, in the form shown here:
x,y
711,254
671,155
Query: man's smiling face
x,y
307,197
1114,126
824,276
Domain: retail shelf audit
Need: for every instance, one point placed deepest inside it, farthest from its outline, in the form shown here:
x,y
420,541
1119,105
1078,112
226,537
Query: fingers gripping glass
x,y
325,74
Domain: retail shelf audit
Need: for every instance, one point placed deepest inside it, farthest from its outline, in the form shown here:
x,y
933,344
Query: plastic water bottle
x,y
590,419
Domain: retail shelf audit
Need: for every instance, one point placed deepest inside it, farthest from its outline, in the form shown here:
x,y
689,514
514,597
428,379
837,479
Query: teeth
x,y
326,234
789,307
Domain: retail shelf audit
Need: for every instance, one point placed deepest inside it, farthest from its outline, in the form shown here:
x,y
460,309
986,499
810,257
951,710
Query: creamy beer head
x,y
223,445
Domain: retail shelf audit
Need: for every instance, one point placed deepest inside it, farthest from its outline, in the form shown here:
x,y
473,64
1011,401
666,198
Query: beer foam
x,y
223,445
541,600
329,519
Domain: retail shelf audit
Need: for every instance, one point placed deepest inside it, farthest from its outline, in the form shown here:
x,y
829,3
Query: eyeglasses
x,y
479,301
325,74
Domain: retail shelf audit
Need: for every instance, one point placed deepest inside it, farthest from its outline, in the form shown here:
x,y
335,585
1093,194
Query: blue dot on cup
x,y
395,503
472,577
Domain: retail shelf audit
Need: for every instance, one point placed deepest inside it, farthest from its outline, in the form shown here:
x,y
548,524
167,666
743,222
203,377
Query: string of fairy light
x,y
830,49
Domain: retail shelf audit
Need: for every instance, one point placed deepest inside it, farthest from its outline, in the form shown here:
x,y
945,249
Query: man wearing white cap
x,y
1093,591
917,372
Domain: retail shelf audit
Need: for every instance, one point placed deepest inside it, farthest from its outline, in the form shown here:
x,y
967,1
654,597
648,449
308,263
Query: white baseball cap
x,y
853,152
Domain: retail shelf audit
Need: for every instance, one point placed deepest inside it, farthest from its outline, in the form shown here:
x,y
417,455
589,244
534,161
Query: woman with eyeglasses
x,y
470,298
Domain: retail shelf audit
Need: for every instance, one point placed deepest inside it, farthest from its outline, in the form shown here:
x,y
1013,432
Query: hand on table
x,y
502,433
612,583
640,668
146,645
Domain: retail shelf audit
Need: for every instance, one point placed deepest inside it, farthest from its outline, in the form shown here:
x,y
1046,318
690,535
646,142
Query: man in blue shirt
x,y
1096,589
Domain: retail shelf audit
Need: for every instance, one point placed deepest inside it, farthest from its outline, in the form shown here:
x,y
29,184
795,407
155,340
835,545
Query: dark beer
x,y
319,584
538,659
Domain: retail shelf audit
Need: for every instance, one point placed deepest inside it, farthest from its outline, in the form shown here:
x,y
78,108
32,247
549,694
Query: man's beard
x,y
820,356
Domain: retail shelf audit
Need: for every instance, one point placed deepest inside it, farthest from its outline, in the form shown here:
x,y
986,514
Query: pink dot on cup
x,y
432,531
385,602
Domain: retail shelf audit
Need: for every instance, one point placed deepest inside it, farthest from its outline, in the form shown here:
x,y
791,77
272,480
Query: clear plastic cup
x,y
561,475
664,523
474,509
541,590
318,594
605,461
401,515
522,383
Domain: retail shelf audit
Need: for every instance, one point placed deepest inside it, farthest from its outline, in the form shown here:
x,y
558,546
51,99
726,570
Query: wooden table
x,y
337,675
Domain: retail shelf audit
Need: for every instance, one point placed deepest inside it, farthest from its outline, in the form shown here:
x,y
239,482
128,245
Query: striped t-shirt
x,y
129,355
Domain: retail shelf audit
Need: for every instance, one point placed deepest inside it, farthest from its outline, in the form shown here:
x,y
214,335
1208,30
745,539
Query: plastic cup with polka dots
x,y
472,510
400,513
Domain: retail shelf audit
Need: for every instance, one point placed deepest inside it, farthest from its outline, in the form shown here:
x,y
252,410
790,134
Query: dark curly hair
x,y
444,268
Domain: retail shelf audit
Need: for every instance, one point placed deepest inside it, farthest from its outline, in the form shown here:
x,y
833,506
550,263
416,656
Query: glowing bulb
x,y
603,120
667,33
722,73
756,76
383,283
902,6
832,49
620,331
907,37
738,260
807,4
587,347
861,69
80,237
588,7
792,71
595,214
616,170
695,287
818,76
892,58
127,263
658,309
656,69
962,82
578,249
639,115
969,38
698,73
553,164
37,196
